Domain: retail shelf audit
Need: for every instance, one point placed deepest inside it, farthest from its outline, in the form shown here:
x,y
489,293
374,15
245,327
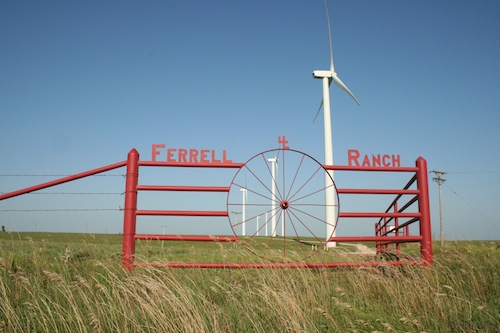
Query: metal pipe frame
x,y
382,236
131,211
62,180
281,264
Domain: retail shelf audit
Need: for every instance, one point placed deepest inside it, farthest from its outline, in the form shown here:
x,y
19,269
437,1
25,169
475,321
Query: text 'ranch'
x,y
354,158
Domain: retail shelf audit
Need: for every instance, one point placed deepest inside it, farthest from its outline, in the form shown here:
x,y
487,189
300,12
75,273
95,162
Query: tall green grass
x,y
57,283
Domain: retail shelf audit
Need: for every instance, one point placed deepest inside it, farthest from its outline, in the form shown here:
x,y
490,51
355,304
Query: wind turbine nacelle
x,y
319,74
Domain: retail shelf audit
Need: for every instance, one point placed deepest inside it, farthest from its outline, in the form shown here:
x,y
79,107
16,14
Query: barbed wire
x,y
63,210
55,175
73,193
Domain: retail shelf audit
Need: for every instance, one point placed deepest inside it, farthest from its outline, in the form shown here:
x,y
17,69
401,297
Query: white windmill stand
x,y
327,76
257,229
273,161
244,193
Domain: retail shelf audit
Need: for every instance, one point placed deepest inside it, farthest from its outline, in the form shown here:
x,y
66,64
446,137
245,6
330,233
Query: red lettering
x,y
366,161
155,152
204,156
352,157
396,161
224,158
214,160
384,160
182,155
193,156
170,155
374,160
283,141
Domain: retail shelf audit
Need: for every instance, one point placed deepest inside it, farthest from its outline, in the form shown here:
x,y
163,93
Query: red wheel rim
x,y
288,224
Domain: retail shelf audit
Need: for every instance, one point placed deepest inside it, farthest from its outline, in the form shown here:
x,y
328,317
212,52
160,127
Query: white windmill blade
x,y
319,109
321,103
332,68
331,74
276,166
342,86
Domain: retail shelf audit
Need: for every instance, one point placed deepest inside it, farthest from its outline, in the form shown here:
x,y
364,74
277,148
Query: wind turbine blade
x,y
321,104
342,86
332,68
319,109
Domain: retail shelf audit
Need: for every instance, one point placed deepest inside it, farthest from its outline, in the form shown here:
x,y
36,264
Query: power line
x,y
479,184
475,172
472,207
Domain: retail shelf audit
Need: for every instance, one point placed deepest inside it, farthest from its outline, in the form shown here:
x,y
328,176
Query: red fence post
x,y
129,219
424,208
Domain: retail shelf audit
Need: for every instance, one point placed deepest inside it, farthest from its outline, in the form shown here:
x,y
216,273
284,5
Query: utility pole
x,y
235,216
440,180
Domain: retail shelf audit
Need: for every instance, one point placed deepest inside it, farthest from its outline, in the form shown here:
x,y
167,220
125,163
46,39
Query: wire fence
x,y
64,193
56,175
63,210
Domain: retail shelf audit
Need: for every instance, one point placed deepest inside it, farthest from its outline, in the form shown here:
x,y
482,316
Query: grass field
x,y
75,283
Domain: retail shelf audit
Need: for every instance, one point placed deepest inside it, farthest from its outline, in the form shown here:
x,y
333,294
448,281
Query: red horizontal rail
x,y
183,188
398,239
181,213
362,168
192,165
63,180
187,238
374,214
403,225
280,265
375,191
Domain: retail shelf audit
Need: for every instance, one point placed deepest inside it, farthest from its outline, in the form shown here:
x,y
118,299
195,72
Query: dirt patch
x,y
361,249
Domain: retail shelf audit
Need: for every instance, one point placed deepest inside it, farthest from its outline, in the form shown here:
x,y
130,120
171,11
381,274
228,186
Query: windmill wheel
x,y
280,214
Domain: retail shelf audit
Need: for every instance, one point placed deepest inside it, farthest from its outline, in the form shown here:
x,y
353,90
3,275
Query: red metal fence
x,y
131,212
388,229
391,229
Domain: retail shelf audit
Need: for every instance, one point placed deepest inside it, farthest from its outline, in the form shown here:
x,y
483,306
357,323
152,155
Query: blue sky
x,y
82,83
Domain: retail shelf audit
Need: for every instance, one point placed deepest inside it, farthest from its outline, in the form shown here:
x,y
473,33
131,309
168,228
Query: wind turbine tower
x,y
266,223
244,193
327,76
257,230
273,162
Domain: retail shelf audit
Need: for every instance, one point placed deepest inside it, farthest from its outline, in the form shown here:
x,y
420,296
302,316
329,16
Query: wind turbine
x,y
273,161
244,193
266,224
327,77
257,230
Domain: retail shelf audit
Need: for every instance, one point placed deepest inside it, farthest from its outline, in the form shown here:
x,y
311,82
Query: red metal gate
x,y
392,226
391,229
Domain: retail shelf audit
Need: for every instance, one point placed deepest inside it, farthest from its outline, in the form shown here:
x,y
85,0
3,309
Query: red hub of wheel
x,y
284,204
